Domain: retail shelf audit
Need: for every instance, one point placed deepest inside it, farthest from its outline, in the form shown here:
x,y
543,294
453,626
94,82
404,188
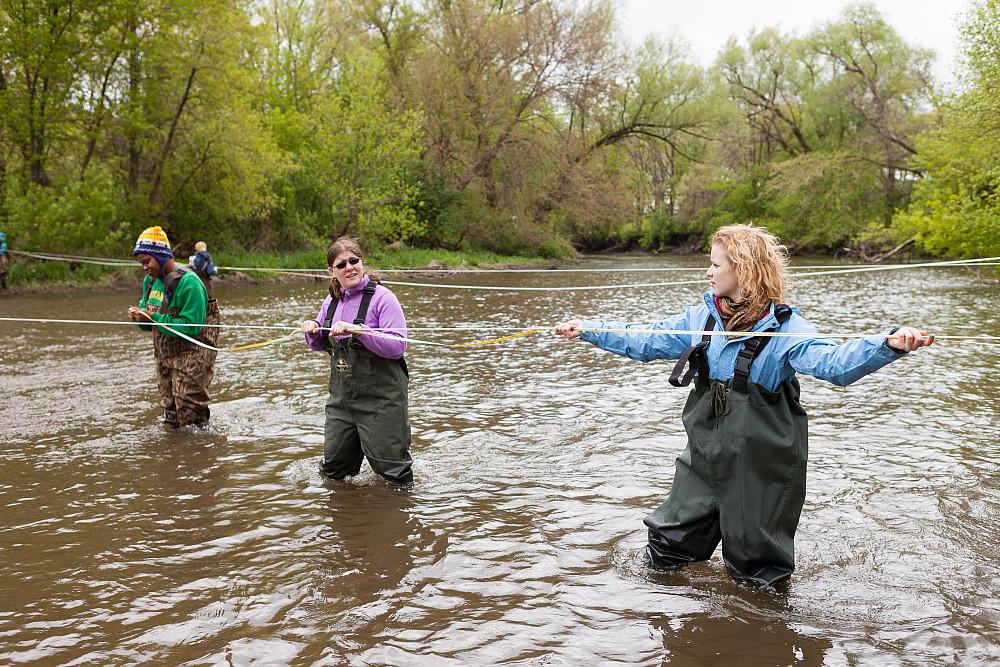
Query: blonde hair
x,y
200,246
759,260
344,244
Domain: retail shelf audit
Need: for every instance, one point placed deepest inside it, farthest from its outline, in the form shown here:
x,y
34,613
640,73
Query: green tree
x,y
361,155
328,106
772,82
57,62
956,206
878,81
142,109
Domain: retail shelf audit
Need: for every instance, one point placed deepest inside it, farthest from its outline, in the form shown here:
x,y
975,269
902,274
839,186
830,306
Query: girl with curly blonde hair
x,y
741,478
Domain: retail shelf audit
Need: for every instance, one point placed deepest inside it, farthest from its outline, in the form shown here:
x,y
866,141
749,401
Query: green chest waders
x,y
367,411
742,477
184,370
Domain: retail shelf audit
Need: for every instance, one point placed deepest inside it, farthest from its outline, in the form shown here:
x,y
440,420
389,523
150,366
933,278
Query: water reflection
x,y
724,638
370,538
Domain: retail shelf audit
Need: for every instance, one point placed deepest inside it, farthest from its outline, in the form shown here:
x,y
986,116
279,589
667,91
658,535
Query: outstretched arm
x,y
618,337
849,362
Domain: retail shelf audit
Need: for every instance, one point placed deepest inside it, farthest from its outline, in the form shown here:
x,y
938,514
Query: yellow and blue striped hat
x,y
154,242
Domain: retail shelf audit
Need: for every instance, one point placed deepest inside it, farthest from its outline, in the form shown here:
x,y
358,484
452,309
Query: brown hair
x,y
344,244
759,260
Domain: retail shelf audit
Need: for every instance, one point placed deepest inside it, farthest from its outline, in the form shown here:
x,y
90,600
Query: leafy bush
x,y
80,217
823,202
956,207
661,230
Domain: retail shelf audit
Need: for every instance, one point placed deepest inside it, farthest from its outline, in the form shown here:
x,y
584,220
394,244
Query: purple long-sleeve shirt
x,y
384,311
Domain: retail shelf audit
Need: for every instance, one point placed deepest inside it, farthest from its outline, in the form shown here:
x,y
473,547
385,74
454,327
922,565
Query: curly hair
x,y
759,260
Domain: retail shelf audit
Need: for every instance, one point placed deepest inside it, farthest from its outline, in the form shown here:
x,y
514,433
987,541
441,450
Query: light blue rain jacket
x,y
780,360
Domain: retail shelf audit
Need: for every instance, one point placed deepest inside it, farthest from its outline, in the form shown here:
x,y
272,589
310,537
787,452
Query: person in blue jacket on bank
x,y
3,261
203,265
741,478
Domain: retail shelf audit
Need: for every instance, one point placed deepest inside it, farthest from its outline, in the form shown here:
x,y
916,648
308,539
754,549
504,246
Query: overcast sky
x,y
706,24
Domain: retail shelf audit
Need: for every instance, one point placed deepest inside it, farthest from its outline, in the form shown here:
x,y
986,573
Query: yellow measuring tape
x,y
491,341
362,332
265,343
238,348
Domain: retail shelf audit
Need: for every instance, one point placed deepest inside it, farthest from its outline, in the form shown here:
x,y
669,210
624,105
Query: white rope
x,y
131,323
580,288
675,283
74,258
386,332
923,265
304,273
664,269
798,272
985,261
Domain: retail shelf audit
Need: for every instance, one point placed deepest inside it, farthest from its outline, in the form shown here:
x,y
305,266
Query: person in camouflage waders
x,y
742,477
367,410
173,295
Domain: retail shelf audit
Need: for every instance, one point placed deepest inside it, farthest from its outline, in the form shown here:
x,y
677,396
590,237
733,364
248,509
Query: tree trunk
x,y
134,84
168,145
98,117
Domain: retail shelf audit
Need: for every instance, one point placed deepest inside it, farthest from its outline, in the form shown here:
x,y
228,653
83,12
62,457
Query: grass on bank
x,y
403,258
32,273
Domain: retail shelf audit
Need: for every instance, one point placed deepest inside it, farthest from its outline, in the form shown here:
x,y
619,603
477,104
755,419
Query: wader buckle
x,y
697,356
720,398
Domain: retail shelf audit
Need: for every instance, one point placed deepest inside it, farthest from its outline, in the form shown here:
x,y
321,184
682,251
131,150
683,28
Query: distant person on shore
x,y
201,262
742,477
367,411
173,295
3,261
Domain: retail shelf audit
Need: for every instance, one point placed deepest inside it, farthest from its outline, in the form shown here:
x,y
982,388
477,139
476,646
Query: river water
x,y
536,461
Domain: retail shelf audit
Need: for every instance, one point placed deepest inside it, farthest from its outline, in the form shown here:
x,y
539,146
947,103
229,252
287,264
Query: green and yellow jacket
x,y
187,303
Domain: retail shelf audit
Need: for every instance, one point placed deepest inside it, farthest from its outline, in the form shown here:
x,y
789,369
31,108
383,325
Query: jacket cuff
x,y
590,336
886,342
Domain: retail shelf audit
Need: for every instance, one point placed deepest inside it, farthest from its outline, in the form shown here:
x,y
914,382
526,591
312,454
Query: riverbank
x,y
31,275
38,275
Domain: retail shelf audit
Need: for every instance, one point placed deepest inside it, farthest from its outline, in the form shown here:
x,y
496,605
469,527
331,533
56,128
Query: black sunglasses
x,y
352,261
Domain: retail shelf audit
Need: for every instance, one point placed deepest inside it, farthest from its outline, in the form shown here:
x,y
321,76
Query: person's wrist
x,y
894,349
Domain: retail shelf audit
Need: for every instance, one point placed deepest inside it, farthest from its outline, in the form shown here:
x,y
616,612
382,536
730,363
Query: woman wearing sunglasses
x,y
742,477
367,411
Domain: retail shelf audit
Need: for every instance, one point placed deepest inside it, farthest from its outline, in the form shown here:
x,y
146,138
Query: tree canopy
x,y
519,127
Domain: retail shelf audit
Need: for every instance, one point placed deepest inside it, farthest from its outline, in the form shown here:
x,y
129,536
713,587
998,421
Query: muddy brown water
x,y
536,461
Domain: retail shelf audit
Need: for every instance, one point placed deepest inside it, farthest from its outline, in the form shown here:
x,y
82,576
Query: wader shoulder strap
x,y
169,285
693,357
328,320
366,299
752,348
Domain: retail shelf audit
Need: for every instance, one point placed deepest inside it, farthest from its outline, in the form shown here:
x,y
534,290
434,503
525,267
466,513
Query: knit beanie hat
x,y
153,242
